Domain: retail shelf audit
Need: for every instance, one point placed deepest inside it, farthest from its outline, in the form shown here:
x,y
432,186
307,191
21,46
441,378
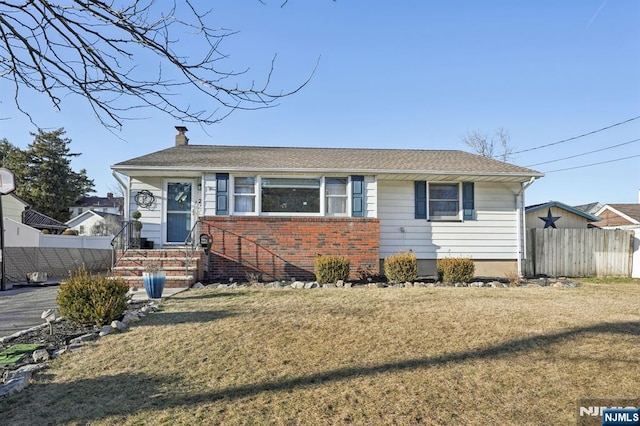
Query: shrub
x,y
331,268
401,267
92,299
69,232
455,269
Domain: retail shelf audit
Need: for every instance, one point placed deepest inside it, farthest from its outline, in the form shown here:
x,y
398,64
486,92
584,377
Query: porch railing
x,y
191,244
121,242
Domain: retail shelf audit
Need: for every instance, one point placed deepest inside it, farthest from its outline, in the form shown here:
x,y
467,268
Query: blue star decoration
x,y
549,220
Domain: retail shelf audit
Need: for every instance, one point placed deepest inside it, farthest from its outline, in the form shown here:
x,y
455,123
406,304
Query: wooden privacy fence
x,y
579,252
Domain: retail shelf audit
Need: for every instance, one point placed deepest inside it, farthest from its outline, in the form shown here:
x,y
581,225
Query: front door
x,y
178,211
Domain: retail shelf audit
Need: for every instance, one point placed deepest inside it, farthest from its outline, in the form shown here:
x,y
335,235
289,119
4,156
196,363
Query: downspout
x,y
521,239
125,191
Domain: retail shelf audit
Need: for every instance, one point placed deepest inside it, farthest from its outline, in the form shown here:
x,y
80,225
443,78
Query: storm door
x,y
178,211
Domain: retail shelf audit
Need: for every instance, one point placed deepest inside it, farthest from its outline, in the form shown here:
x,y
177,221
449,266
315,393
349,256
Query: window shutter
x,y
467,200
357,196
421,199
222,194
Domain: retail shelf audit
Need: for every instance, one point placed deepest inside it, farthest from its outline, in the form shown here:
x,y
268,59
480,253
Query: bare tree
x,y
101,50
109,226
496,146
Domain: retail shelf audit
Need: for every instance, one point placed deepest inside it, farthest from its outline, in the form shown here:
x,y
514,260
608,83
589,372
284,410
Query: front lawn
x,y
351,356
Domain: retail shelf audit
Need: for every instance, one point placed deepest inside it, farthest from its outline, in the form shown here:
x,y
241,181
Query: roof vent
x,y
181,137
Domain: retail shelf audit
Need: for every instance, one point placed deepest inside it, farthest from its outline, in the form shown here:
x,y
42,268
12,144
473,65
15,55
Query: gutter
x,y
125,190
521,236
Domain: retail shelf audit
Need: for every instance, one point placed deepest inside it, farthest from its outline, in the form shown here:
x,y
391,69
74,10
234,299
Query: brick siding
x,y
282,248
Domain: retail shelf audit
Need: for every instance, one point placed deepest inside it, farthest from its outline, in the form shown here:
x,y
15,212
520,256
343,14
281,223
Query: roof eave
x,y
121,168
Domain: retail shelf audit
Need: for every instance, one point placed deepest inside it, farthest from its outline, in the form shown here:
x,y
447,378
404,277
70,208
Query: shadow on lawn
x,y
512,347
128,394
201,295
171,318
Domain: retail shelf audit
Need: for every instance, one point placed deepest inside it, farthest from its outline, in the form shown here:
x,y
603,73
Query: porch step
x,y
182,270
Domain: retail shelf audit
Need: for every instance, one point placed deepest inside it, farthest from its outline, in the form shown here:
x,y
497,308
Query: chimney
x,y
110,195
181,138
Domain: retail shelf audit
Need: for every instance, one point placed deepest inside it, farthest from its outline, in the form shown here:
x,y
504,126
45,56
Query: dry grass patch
x,y
361,356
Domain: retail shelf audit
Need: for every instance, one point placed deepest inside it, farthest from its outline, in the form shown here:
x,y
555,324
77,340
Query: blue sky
x,y
411,74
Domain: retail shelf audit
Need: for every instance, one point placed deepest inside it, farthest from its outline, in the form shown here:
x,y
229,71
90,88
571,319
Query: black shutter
x,y
222,194
421,199
468,200
357,196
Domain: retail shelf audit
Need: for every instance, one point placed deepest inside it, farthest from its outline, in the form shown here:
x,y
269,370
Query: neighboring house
x,y
623,216
18,210
554,214
13,206
591,208
90,221
42,222
273,209
108,204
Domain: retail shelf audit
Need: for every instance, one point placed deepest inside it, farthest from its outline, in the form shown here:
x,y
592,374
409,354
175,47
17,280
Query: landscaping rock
x,y
340,283
118,325
130,317
297,284
197,285
40,355
105,330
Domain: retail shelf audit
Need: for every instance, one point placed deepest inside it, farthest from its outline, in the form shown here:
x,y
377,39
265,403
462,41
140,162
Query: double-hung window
x,y
444,201
336,195
244,193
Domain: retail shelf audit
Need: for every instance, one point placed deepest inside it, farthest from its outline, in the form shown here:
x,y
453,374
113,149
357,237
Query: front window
x,y
290,195
443,201
244,195
336,193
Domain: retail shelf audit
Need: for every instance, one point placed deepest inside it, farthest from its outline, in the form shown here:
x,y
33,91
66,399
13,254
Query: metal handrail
x,y
119,239
190,246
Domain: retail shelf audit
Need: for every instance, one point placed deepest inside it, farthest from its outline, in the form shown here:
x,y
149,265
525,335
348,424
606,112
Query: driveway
x,y
21,307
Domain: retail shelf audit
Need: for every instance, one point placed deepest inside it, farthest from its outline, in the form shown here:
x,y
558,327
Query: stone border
x,y
560,282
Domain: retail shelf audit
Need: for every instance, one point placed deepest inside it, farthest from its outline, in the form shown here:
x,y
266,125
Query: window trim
x,y
346,196
458,216
258,195
255,194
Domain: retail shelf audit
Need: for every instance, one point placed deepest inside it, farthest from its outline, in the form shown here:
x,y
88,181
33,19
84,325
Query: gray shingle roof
x,y
41,221
230,158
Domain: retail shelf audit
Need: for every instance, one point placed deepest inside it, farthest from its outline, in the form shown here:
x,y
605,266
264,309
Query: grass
x,y
359,356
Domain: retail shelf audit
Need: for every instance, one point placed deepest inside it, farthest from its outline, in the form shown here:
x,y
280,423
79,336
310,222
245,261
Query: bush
x,y
331,268
455,270
92,299
401,267
69,232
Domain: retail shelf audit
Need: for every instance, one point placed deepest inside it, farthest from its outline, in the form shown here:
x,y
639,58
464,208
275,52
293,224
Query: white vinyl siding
x,y
492,235
151,216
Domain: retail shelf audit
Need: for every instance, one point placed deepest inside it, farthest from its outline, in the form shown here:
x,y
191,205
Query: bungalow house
x,y
271,210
